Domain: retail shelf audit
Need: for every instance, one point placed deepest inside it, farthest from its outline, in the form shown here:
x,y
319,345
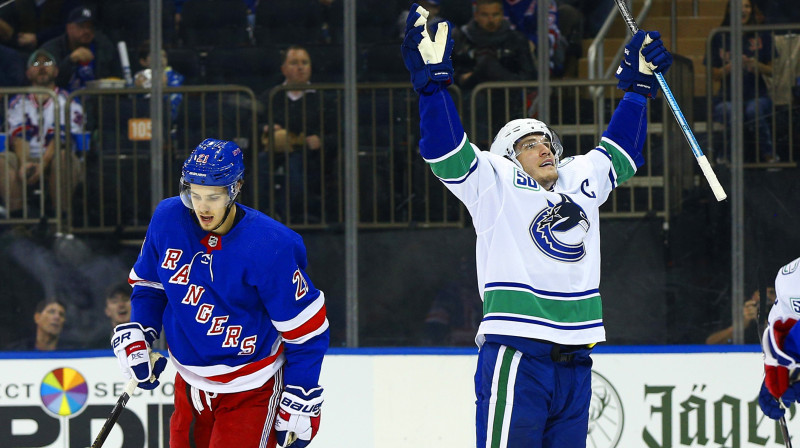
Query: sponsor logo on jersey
x,y
559,229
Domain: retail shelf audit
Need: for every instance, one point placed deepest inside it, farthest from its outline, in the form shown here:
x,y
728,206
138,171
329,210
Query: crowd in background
x,y
74,42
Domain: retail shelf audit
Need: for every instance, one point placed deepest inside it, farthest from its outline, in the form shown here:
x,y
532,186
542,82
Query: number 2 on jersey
x,y
301,285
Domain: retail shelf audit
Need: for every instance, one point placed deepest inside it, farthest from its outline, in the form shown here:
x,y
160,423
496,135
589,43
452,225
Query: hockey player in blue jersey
x,y
245,327
538,242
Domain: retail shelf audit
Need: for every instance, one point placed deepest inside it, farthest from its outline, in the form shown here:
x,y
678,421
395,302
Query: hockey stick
x,y
121,402
708,172
762,293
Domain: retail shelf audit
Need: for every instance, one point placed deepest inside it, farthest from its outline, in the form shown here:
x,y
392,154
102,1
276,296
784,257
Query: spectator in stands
x,y
780,11
26,24
118,310
49,318
171,78
251,14
757,62
522,14
13,72
295,141
487,49
594,13
32,131
749,316
83,53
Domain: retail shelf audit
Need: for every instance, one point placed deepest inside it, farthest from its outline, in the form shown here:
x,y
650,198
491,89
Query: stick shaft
x,y
708,172
115,413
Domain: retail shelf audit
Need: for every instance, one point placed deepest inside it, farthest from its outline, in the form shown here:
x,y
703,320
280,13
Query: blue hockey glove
x,y
644,55
298,416
427,60
131,344
769,404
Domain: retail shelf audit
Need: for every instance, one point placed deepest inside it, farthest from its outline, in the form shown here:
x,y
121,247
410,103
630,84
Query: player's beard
x,y
208,225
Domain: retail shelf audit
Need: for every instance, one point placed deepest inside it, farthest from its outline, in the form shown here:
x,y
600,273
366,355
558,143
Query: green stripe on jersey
x,y
622,164
502,397
529,304
457,164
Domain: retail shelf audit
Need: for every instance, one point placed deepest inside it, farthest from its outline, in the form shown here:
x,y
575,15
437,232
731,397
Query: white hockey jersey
x,y
538,252
36,122
781,339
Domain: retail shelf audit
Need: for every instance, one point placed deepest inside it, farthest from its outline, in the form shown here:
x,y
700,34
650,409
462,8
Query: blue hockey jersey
x,y
235,308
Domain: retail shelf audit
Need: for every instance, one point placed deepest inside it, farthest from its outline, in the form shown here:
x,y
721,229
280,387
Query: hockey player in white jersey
x,y
538,242
781,345
245,326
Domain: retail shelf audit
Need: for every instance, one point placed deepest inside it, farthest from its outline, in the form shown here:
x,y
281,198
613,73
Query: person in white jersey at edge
x,y
538,241
781,345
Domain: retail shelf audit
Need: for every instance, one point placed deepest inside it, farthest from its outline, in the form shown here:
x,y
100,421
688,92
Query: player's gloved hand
x,y
298,416
769,404
131,344
644,55
427,60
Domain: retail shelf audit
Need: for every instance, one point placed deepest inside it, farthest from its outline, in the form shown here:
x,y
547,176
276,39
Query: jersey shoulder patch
x,y
566,161
791,267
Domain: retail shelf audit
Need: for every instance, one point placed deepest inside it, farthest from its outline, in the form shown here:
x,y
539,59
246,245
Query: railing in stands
x,y
576,117
781,102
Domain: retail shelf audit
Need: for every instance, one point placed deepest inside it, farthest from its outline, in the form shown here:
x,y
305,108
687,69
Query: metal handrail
x,y
710,94
7,93
595,53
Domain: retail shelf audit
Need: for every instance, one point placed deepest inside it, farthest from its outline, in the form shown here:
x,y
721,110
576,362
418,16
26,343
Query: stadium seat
x,y
376,20
129,21
255,67
382,62
327,62
288,22
214,23
186,61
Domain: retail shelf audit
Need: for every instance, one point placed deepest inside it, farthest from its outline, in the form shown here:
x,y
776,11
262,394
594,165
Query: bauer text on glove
x,y
298,416
131,344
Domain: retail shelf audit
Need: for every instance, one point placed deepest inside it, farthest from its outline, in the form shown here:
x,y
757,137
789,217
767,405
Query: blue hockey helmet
x,y
217,163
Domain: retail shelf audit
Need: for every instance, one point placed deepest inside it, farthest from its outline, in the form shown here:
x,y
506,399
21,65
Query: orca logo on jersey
x,y
559,230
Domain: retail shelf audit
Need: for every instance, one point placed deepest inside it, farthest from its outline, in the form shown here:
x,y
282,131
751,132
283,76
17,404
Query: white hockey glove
x,y
131,344
298,417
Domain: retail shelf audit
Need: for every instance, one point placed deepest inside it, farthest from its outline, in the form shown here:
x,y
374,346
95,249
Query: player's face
x,y
209,204
297,68
51,319
535,155
489,16
118,309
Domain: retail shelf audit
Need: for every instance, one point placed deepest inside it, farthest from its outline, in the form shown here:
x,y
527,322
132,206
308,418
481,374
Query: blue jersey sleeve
x,y
628,126
440,126
297,310
148,299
